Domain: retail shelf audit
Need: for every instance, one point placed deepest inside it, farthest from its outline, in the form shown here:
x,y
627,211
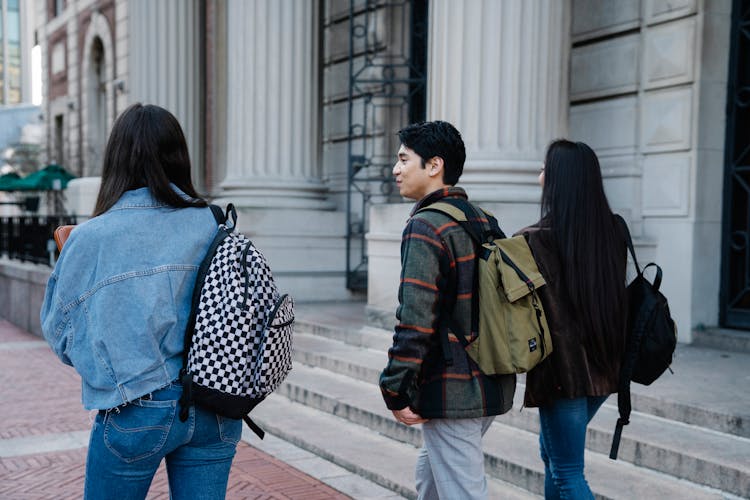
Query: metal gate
x,y
387,78
735,279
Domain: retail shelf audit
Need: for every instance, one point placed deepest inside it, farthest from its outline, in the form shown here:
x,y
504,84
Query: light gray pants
x,y
450,466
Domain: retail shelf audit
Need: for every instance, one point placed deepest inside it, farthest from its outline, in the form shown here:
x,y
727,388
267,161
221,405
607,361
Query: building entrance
x,y
387,80
735,280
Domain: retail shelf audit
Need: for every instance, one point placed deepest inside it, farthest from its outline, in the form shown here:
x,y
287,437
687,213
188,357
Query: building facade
x,y
18,141
291,108
17,24
16,38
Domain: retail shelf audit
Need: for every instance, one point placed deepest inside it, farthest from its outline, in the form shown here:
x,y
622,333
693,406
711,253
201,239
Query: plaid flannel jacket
x,y
437,279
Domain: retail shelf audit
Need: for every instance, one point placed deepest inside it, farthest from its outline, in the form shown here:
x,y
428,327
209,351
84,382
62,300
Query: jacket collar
x,y
435,196
142,198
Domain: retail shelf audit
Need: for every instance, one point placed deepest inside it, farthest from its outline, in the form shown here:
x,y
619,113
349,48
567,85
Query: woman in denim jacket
x,y
116,308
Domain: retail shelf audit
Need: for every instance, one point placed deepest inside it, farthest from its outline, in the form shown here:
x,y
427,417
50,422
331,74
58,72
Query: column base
x,y
306,249
275,193
387,223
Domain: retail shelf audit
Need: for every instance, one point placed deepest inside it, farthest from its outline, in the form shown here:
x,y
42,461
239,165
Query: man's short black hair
x,y
437,138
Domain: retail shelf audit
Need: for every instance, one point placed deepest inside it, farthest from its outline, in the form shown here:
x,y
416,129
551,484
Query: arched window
x,y
96,100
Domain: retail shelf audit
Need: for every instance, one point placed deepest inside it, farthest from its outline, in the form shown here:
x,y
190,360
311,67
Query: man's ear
x,y
435,166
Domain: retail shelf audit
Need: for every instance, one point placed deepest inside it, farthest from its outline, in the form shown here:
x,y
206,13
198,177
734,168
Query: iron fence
x,y
735,281
29,238
387,90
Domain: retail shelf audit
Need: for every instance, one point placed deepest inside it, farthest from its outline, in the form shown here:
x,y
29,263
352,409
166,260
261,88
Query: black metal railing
x,y
735,282
387,90
27,238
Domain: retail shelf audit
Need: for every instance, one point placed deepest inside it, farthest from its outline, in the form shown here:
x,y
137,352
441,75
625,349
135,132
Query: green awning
x,y
8,181
42,180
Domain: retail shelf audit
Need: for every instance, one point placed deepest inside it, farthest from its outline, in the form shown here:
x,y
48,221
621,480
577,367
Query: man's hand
x,y
408,417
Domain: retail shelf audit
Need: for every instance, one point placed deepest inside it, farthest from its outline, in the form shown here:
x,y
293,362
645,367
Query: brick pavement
x,y
40,397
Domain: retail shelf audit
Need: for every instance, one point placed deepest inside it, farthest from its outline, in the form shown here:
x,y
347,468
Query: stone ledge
x,y
723,339
22,286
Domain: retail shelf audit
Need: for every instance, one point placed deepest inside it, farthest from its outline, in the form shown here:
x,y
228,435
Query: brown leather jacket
x,y
569,371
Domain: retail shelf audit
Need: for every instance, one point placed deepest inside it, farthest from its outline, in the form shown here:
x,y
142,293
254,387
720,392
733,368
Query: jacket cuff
x,y
395,402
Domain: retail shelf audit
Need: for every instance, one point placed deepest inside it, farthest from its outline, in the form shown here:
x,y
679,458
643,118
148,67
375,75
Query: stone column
x,y
498,72
164,64
272,171
272,94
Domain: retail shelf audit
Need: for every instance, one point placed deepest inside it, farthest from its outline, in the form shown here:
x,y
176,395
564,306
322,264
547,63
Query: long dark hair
x,y
147,148
590,245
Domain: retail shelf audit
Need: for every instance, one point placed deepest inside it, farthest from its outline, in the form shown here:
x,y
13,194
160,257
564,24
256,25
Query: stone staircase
x,y
330,405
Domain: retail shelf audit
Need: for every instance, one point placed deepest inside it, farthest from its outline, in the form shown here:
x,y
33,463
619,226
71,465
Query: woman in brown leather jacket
x,y
581,253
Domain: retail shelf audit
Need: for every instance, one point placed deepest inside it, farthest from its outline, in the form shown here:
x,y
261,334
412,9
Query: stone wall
x,y
22,288
647,92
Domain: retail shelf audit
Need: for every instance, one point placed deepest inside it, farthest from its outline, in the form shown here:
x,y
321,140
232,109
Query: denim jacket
x,y
118,301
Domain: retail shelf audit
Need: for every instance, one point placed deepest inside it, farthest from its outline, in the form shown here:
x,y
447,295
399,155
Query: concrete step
x,y
722,339
512,451
359,362
693,453
704,457
360,336
689,395
356,401
381,460
331,474
708,388
667,445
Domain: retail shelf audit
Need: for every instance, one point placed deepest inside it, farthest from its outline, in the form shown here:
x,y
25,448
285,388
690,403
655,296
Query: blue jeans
x,y
562,442
127,445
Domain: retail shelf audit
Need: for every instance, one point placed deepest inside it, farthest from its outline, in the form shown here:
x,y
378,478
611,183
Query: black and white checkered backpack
x,y
238,343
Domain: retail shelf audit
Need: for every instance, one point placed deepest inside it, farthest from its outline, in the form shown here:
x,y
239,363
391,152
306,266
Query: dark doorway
x,y
58,149
735,279
387,90
96,100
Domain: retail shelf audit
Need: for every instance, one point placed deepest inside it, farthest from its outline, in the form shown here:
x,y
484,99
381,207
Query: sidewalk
x,y
44,434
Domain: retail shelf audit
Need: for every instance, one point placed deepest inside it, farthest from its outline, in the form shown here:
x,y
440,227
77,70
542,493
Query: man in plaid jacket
x,y
429,378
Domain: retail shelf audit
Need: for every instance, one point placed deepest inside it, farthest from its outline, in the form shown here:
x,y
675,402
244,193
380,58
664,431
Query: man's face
x,y
412,180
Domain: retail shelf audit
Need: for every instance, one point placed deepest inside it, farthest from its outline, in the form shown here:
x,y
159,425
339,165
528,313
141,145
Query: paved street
x,y
44,432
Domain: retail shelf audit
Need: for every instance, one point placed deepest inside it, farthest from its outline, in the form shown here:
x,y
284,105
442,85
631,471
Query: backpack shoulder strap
x,y
218,214
228,218
458,215
185,378
628,241
624,404
470,218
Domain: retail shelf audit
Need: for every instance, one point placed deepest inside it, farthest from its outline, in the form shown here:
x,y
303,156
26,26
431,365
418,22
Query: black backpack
x,y
651,341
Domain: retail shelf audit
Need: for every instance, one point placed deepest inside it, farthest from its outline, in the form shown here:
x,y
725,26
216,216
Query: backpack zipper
x,y
246,275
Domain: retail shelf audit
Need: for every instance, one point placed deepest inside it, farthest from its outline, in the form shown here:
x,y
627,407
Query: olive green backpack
x,y
513,332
